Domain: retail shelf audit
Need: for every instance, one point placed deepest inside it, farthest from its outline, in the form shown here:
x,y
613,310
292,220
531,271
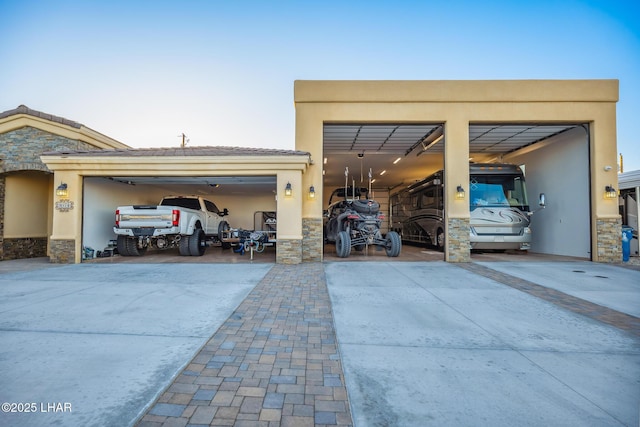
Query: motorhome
x,y
498,206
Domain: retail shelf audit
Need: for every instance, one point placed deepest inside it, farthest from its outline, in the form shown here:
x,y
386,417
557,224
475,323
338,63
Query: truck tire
x,y
343,244
122,246
183,246
132,248
197,243
440,239
222,227
394,244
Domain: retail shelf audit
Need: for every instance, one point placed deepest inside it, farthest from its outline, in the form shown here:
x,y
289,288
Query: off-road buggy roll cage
x,y
354,220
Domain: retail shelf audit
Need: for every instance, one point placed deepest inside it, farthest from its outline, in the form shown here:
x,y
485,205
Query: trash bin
x,y
627,235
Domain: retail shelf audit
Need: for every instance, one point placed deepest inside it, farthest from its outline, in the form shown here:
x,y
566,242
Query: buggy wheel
x,y
123,248
440,240
343,244
394,244
197,243
183,246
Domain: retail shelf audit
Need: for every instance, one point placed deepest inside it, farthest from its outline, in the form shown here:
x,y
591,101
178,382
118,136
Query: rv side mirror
x,y
542,200
225,212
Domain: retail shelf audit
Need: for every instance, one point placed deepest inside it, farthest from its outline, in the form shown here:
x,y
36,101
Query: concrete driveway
x,y
435,344
92,344
420,343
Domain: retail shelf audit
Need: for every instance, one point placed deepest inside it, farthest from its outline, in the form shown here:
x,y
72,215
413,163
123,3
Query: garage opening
x,y
379,159
400,155
249,200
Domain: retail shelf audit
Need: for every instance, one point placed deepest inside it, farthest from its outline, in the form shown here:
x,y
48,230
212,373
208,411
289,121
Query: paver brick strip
x,y
597,312
274,362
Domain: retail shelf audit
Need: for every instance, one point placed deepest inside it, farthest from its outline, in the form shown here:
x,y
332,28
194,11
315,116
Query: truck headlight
x,y
527,230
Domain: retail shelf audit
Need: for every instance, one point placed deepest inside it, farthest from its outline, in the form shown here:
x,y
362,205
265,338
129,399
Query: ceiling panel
x,y
363,146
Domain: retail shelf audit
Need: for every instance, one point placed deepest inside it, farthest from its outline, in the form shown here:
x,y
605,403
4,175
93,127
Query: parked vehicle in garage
x,y
500,214
185,222
353,220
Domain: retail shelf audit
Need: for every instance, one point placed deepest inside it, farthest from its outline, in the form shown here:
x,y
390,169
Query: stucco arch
x,y
26,183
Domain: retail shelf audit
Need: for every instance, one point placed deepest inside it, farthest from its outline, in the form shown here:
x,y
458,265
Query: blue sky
x,y
143,72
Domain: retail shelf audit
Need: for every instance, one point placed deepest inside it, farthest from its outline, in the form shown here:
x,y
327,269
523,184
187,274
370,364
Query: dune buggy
x,y
353,220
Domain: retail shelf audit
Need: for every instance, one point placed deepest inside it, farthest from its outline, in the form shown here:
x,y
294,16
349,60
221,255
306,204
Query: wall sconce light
x,y
312,192
610,192
62,190
459,192
287,190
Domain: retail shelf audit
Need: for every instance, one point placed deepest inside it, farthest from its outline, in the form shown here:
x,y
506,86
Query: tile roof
x,y
23,109
185,151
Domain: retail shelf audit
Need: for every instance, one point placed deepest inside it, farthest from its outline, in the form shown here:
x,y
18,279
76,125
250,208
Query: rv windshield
x,y
498,191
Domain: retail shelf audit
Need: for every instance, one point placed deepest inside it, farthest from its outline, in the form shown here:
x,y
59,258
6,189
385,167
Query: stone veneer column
x,y
458,240
62,251
609,239
289,251
311,239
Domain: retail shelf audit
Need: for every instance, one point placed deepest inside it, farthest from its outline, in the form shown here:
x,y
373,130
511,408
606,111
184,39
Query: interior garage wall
x,y
560,170
103,196
242,207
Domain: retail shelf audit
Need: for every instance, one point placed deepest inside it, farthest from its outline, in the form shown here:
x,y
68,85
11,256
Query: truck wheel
x,y
197,243
343,244
123,249
183,246
394,244
132,248
440,239
222,228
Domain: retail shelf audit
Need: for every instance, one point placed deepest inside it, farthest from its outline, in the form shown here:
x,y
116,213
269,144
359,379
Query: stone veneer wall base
x,y
609,239
459,248
289,251
312,240
28,247
62,251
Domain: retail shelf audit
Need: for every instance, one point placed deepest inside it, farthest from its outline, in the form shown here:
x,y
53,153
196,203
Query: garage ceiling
x,y
403,153
205,185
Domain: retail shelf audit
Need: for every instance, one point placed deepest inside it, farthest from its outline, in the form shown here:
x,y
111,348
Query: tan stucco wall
x,y
71,170
458,104
26,207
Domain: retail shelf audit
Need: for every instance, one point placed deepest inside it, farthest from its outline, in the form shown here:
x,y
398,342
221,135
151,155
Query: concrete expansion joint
x,y
623,321
274,361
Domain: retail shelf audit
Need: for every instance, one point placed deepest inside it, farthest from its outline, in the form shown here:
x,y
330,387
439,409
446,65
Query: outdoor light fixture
x,y
62,191
312,192
287,190
459,192
610,192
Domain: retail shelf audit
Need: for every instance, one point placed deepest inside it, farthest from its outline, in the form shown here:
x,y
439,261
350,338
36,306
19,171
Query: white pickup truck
x,y
186,222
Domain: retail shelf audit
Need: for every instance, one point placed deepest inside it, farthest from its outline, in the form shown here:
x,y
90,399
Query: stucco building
x,y
562,132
